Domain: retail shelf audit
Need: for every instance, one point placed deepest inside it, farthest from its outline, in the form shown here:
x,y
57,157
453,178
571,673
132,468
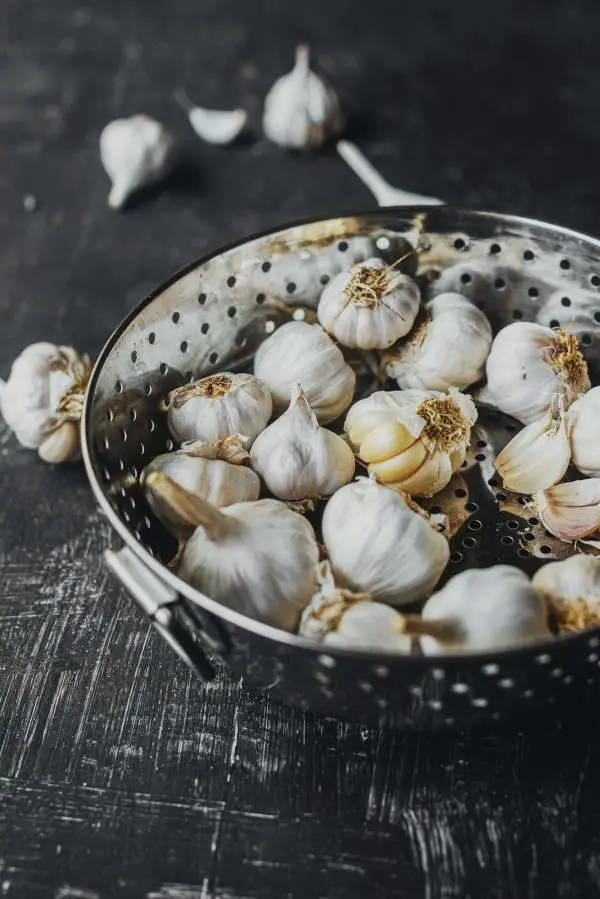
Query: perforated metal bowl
x,y
212,316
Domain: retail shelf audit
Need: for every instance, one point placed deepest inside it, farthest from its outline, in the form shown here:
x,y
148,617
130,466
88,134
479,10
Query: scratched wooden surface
x,y
119,774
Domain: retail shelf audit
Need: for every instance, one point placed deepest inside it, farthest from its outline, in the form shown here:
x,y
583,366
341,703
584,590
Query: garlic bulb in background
x,y
482,610
380,545
135,152
219,406
258,558
410,439
337,617
584,419
216,126
539,455
370,306
570,511
448,349
42,400
301,111
297,458
299,353
571,588
528,364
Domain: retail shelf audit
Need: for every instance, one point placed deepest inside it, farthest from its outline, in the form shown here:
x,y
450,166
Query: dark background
x,y
120,775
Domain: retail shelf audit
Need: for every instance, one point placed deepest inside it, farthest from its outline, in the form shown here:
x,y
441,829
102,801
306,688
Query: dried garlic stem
x,y
567,359
571,616
190,507
445,428
415,626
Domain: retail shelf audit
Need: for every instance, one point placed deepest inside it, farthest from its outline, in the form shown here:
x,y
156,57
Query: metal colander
x,y
211,317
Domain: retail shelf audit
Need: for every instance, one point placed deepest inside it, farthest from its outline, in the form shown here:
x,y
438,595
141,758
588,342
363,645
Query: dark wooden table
x,y
120,775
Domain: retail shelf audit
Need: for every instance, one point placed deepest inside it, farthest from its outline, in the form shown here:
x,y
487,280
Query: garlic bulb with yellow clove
x,y
410,439
528,364
570,511
42,400
301,111
219,406
297,458
584,419
482,610
448,348
379,544
539,455
135,152
571,588
336,616
299,353
370,306
258,558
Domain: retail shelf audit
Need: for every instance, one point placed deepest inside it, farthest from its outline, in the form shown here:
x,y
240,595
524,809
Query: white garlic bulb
x,y
43,399
412,440
449,348
380,545
571,588
338,617
370,306
539,455
135,152
215,126
528,364
482,610
301,111
219,406
258,558
570,511
297,458
299,353
584,419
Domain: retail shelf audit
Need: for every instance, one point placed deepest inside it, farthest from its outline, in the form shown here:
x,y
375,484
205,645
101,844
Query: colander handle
x,y
165,608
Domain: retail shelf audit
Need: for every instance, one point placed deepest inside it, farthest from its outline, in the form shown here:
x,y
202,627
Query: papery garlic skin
x,y
378,544
448,349
584,418
529,364
219,406
297,458
45,391
370,306
483,610
539,455
570,511
299,353
301,111
135,152
571,588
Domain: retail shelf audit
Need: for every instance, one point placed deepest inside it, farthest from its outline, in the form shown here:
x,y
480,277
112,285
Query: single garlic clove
x,y
385,440
62,444
399,467
571,588
427,480
135,152
539,455
584,418
570,511
216,126
381,407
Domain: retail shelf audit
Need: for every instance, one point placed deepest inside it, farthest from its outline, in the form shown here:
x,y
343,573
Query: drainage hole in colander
x,y
290,287
499,283
342,246
123,433
232,312
205,328
189,376
151,337
523,553
545,549
456,557
512,524
460,244
475,525
147,388
202,299
471,507
260,298
480,457
231,281
595,280
565,301
465,278
134,356
565,265
214,357
118,387
528,255
175,317
517,314
110,415
554,323
151,425
183,346
507,540
469,542
266,266
140,448
163,368
495,248
533,292
585,339
460,493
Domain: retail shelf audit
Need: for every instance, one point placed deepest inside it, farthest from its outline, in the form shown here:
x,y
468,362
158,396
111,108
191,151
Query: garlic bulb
x,y
410,439
299,353
43,399
370,306
584,418
297,458
570,511
257,558
539,455
216,126
448,349
219,406
528,364
571,588
301,111
482,610
212,471
135,152
337,617
378,544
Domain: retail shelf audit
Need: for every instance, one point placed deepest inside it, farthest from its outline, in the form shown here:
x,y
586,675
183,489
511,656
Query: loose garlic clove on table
x,y
135,152
215,126
571,588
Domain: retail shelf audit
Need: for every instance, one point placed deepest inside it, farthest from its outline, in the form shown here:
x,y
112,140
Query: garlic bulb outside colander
x,y
483,610
258,558
449,348
528,364
380,545
135,152
299,353
584,419
370,306
297,458
219,406
571,588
